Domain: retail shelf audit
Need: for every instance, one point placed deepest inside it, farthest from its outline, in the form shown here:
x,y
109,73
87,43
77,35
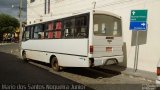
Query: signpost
x,y
138,22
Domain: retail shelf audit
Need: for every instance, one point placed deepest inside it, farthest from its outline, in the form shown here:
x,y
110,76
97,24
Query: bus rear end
x,y
106,45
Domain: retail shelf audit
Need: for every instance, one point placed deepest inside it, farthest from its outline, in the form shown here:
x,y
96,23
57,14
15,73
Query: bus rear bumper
x,y
107,60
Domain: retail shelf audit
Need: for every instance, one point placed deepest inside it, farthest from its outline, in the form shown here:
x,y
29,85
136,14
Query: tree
x,y
8,24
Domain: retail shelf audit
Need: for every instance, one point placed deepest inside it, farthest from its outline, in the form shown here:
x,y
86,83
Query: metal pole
x,y
20,27
136,52
20,24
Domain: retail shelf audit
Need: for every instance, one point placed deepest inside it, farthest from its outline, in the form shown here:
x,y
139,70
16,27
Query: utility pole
x,y
19,15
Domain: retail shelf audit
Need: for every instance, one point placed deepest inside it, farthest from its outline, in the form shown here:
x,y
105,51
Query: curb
x,y
5,43
151,76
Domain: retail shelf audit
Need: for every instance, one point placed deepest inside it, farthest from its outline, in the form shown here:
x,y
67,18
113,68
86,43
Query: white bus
x,y
86,39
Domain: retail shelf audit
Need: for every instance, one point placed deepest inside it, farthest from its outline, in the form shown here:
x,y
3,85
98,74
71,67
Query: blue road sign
x,y
138,26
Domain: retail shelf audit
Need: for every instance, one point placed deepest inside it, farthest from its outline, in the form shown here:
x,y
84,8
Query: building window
x,y
47,6
31,1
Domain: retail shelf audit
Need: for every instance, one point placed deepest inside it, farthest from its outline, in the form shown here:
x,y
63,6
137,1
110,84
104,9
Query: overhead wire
x,y
139,3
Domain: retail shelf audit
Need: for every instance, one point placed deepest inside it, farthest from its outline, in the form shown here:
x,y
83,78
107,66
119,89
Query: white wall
x,y
35,11
149,51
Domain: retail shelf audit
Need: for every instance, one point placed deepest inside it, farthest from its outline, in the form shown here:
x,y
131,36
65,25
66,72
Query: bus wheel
x,y
54,64
24,57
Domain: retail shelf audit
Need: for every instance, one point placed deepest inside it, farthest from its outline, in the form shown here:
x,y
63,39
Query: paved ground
x,y
11,48
96,78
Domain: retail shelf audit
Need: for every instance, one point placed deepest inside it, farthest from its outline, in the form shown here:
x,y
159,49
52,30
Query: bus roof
x,y
105,12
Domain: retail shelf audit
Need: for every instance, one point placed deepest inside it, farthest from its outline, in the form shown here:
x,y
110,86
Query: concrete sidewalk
x,y
5,43
129,71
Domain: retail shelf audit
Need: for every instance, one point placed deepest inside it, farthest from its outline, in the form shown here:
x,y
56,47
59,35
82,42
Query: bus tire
x,y
24,58
54,64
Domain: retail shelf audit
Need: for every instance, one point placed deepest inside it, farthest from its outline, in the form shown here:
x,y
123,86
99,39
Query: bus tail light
x,y
158,71
91,49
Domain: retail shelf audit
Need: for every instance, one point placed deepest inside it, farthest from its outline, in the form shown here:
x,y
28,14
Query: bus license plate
x,y
109,49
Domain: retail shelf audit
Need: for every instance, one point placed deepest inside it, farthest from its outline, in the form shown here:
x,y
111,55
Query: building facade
x,y
149,50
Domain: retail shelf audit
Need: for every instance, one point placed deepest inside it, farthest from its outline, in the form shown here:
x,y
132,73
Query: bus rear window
x,y
105,25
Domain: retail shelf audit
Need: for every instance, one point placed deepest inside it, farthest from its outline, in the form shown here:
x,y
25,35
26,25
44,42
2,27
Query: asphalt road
x,y
17,74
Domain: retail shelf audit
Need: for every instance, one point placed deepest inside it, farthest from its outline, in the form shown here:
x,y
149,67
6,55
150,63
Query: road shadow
x,y
95,73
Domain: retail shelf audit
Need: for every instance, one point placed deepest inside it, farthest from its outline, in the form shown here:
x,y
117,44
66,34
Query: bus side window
x,y
35,35
40,35
38,32
31,30
45,30
50,30
26,34
69,28
58,29
81,27
48,27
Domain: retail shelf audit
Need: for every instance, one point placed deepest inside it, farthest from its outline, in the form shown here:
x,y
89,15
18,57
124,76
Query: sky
x,y
11,7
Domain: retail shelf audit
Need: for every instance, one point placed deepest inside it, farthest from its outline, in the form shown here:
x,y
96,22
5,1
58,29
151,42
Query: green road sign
x,y
138,15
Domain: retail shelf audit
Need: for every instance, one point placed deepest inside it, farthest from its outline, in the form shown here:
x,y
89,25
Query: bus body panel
x,y
72,60
38,55
107,60
63,59
102,56
62,46
101,44
69,52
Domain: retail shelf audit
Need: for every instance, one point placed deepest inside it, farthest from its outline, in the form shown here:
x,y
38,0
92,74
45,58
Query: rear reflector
x,y
91,49
158,71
